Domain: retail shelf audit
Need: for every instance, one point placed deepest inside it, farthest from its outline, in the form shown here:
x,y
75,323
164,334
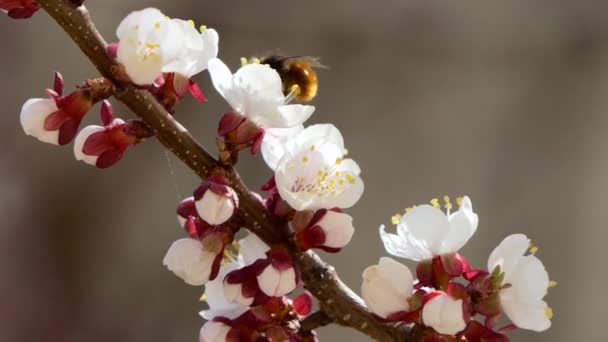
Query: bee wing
x,y
314,62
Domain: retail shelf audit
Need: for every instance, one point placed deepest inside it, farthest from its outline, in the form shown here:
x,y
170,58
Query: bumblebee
x,y
298,75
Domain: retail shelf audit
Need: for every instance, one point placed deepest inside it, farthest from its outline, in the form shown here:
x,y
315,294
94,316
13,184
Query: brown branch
x,y
316,320
339,303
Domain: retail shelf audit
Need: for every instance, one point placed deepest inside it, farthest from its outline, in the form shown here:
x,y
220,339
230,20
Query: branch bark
x,y
337,301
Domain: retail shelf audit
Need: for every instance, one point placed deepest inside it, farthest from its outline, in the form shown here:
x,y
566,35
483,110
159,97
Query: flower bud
x,y
387,287
278,277
215,201
329,230
444,314
103,146
19,9
302,304
213,331
56,120
240,133
197,262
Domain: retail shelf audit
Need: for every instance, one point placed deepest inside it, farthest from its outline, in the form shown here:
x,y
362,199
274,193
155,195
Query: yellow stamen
x,y
312,148
152,45
191,23
459,201
203,298
408,209
396,218
533,249
255,60
157,25
549,312
435,203
338,161
244,61
305,159
203,28
345,151
448,204
552,283
291,167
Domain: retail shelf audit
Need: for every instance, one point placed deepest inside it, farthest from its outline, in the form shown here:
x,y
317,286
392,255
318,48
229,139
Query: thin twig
x,y
337,301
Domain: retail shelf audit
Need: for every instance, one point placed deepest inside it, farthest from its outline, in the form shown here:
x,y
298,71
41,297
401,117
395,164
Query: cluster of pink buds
x,y
275,320
450,300
19,9
56,121
204,217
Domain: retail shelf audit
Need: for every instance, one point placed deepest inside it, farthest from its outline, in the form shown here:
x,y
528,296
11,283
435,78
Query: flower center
x,y
320,180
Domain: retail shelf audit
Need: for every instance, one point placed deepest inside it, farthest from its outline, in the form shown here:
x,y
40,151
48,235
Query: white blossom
x,y
523,301
151,43
387,287
256,92
189,260
313,174
426,232
444,314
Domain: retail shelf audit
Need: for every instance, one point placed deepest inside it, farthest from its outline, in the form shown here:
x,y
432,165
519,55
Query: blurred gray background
x,y
505,101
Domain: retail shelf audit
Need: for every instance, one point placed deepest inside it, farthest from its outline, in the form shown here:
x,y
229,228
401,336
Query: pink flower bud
x,y
103,146
214,331
215,201
329,230
170,88
387,287
302,304
278,277
240,132
444,314
19,9
56,120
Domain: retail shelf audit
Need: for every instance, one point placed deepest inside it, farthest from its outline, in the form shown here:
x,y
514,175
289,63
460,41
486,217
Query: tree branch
x,y
339,303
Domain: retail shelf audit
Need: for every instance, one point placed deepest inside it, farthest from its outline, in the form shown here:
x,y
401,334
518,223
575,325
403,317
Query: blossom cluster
x,y
449,294
250,286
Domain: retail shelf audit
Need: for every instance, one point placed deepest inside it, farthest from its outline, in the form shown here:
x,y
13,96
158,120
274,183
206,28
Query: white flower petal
x,y
274,144
80,140
507,253
463,224
287,283
252,248
396,246
424,227
215,209
190,261
214,332
444,314
295,114
33,114
338,229
529,279
386,287
269,280
219,306
527,315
